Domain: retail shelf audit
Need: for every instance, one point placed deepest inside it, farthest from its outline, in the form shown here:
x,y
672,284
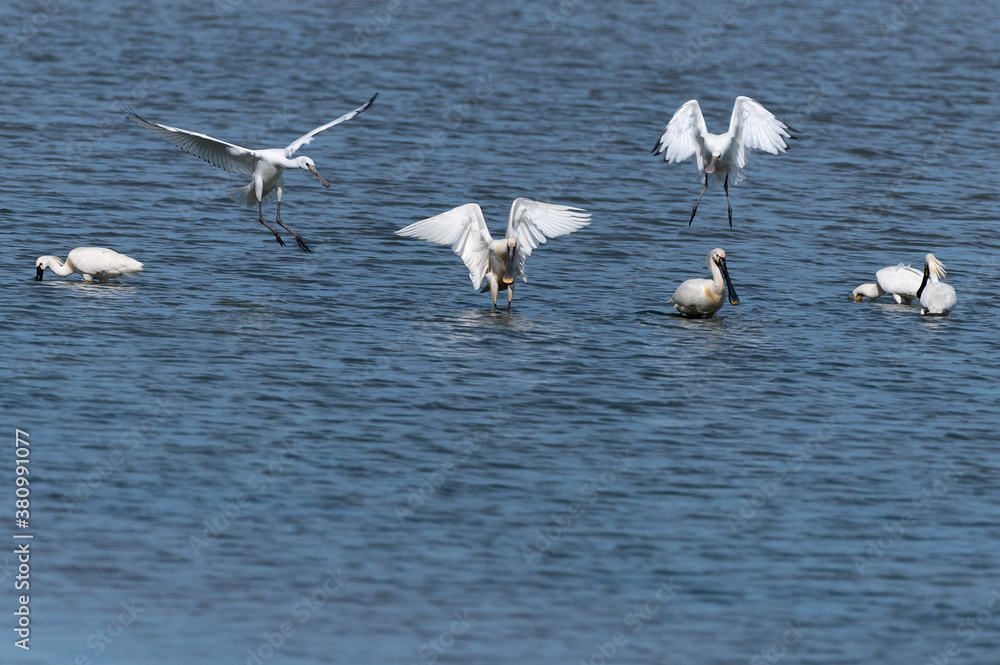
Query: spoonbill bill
x,y
498,261
701,298
899,281
265,167
935,297
92,262
751,127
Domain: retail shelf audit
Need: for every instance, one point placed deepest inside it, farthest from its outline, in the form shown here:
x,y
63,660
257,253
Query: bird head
x,y
308,164
718,257
710,168
42,263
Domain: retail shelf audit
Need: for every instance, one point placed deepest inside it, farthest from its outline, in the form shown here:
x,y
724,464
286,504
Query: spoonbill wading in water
x,y
751,127
91,262
935,297
265,167
899,281
498,261
701,298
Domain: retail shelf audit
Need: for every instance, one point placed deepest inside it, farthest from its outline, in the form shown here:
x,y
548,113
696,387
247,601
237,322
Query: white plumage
x,y
751,127
92,262
936,297
703,297
498,261
899,281
265,167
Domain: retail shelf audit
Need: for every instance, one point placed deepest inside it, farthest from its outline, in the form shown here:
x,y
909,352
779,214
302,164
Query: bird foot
x,y
302,243
280,241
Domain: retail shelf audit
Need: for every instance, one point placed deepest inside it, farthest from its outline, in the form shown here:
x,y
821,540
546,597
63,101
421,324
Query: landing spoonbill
x,y
464,228
751,127
899,281
91,262
265,167
935,297
703,297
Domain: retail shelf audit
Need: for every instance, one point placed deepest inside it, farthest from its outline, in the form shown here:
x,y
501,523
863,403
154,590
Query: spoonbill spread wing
x,y
753,127
294,146
684,136
531,222
227,156
464,228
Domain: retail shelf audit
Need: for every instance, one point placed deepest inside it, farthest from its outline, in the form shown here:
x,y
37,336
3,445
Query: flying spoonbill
x,y
498,261
935,297
703,297
265,167
899,281
751,127
91,262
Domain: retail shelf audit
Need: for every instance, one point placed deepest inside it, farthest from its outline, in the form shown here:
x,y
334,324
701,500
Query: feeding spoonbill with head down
x,y
899,281
498,261
703,297
265,167
935,297
92,262
751,127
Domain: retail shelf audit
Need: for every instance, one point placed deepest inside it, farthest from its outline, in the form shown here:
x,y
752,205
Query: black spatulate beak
x,y
733,298
38,273
508,271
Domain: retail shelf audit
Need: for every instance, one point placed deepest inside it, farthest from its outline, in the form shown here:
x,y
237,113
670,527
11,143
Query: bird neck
x,y
58,267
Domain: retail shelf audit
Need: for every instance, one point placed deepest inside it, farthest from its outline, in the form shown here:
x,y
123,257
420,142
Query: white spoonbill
x,y
703,297
265,167
92,262
751,127
935,297
498,261
899,281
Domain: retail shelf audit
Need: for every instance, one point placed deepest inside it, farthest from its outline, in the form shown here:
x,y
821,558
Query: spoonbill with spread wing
x,y
265,167
92,262
498,261
751,127
701,298
935,297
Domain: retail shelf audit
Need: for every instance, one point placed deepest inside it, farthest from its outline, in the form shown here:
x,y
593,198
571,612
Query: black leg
x,y
695,208
725,186
260,218
298,238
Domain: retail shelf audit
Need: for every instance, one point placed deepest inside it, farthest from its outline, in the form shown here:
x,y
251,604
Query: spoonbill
x,y
530,224
265,167
751,127
701,298
899,281
935,297
92,262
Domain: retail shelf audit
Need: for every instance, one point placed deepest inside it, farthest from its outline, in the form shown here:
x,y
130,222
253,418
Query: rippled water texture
x,y
348,457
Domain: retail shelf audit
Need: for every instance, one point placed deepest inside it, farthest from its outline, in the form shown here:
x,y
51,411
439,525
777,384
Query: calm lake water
x,y
251,454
